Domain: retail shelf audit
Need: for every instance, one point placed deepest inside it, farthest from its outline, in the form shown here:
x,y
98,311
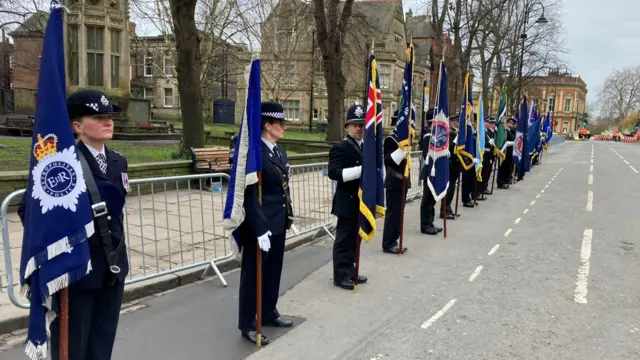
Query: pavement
x,y
545,270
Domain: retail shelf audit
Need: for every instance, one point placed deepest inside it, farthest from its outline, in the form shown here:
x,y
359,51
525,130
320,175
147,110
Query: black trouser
x,y
505,170
427,208
344,249
392,216
271,274
93,321
468,184
454,175
487,169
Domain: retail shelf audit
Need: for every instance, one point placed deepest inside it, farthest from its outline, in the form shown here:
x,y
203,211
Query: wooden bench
x,y
19,126
210,160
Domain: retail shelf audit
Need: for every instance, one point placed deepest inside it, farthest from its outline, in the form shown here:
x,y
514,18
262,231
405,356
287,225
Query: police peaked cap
x,y
355,115
89,102
431,114
272,111
455,117
512,120
490,120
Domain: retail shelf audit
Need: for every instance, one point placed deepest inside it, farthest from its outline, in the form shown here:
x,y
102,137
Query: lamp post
x,y
541,20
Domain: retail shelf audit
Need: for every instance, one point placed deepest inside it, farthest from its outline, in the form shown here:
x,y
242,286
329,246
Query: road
x,y
545,270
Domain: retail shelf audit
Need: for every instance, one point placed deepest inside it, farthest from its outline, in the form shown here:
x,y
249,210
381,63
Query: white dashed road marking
x,y
589,201
580,295
437,316
590,179
517,220
507,233
494,249
476,272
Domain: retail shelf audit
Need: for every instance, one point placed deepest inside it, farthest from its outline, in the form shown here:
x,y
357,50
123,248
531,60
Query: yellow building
x,y
565,96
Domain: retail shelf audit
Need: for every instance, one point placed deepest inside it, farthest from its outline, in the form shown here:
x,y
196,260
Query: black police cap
x,y
355,115
490,120
512,120
431,114
272,111
88,102
455,117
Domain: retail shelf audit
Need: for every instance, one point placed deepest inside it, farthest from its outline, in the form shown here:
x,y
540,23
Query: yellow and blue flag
x,y
479,142
405,127
465,147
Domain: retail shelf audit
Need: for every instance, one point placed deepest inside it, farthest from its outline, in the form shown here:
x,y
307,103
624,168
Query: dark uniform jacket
x,y
394,172
275,210
424,145
345,154
112,191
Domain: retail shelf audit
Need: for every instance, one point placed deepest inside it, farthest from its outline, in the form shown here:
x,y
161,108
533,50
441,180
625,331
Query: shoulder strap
x,y
100,213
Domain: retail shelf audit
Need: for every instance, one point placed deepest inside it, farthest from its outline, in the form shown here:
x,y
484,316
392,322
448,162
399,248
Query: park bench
x,y
19,126
207,160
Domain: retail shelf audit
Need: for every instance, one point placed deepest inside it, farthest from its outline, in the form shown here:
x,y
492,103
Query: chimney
x,y
132,28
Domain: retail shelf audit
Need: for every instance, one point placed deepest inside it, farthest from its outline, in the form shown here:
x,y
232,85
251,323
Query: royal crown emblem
x,y
57,177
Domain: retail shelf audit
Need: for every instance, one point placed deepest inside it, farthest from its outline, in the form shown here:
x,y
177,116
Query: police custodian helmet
x,y
88,102
355,115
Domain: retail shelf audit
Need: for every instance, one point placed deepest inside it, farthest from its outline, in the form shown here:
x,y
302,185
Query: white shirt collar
x,y
95,152
270,145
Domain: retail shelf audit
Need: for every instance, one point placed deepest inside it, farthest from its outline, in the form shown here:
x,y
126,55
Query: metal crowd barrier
x,y
173,224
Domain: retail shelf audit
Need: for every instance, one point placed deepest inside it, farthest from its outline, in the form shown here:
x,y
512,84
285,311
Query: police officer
x,y
427,203
506,168
95,299
488,157
395,161
345,167
267,222
454,168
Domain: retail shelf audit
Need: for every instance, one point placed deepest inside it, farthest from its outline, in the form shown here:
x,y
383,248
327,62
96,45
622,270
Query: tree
x,y
620,93
331,26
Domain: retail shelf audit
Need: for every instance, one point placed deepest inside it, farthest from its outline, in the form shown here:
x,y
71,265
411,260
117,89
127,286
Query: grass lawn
x,y
220,129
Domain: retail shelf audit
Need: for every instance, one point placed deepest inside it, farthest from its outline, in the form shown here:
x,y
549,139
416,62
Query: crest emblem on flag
x,y
440,137
55,176
520,143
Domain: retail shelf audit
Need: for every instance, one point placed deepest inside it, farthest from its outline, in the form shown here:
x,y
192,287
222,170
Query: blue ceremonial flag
x,y
380,209
519,147
57,212
247,159
371,181
465,146
479,142
533,138
548,131
405,126
438,155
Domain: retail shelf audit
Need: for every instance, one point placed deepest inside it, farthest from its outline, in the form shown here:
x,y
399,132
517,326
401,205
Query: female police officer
x,y
95,300
267,222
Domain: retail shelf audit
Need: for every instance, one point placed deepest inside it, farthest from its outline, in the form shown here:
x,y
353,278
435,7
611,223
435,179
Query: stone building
x,y
154,76
96,50
564,95
292,68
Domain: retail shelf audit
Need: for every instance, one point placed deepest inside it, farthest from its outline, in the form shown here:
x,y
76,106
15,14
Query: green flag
x,y
501,131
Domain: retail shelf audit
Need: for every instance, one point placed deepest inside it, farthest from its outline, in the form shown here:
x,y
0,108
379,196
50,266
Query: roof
x,y
34,25
419,27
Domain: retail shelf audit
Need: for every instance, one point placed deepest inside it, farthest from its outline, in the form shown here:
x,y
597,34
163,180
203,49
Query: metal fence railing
x,y
174,223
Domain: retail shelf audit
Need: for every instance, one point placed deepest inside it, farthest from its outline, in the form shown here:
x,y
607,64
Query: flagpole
x,y
495,170
408,158
259,276
64,323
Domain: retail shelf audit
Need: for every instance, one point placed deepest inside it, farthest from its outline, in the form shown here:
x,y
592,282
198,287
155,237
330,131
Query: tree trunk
x,y
189,69
335,99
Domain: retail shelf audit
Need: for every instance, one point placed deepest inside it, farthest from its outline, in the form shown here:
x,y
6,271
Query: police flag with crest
x,y
438,155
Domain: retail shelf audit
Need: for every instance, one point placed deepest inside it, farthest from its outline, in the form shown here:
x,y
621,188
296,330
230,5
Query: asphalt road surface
x,y
548,269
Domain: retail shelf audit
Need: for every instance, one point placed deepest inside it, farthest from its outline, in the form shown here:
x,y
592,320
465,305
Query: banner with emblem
x,y
465,146
247,159
501,131
57,218
548,131
479,154
405,126
371,181
518,144
438,155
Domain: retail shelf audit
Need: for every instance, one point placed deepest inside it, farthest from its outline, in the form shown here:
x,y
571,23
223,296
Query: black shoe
x,y
449,216
362,279
345,284
429,231
468,204
438,229
481,198
503,186
279,322
252,336
395,250
487,192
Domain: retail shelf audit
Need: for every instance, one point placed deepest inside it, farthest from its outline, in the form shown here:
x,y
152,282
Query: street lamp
x,y
541,20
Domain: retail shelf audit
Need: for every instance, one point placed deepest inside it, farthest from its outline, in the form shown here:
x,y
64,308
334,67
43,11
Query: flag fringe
x,y
36,352
366,213
59,247
63,281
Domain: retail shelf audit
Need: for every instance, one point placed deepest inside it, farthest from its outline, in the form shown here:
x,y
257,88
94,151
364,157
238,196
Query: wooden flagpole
x,y
64,323
259,276
458,185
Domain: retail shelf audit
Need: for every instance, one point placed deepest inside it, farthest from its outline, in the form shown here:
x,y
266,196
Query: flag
x,y
438,155
405,126
548,131
58,217
247,159
371,181
479,142
465,147
519,148
501,131
380,169
533,138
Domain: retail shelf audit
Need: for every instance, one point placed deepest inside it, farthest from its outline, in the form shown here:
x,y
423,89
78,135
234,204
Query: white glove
x,y
263,241
491,141
351,173
508,143
398,155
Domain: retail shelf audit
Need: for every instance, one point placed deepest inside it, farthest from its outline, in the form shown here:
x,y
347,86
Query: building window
x,y
291,110
287,74
115,59
315,114
552,104
384,71
95,56
147,93
73,64
168,65
567,105
168,97
565,127
148,65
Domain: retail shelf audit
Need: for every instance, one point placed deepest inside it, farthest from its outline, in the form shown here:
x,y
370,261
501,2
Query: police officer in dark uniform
x,y
95,299
454,168
488,157
395,161
428,203
506,168
345,167
469,178
268,223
